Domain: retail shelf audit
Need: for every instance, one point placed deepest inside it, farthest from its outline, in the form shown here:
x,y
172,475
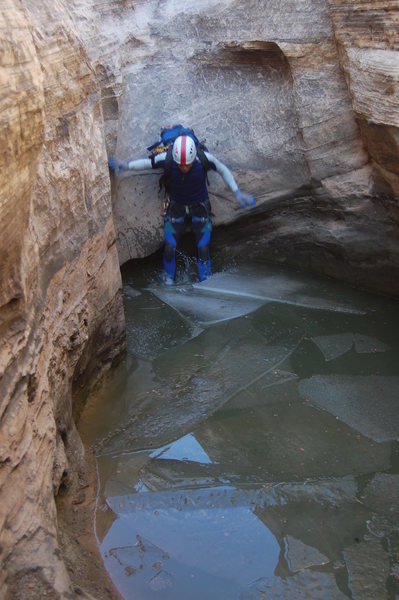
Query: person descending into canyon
x,y
185,165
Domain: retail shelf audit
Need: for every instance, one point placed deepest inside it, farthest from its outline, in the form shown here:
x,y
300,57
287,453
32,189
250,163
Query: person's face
x,y
184,168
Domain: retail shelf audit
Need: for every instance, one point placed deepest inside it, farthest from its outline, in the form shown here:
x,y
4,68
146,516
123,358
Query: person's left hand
x,y
244,199
115,164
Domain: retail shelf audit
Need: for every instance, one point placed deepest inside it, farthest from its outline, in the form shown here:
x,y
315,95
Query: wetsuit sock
x,y
204,269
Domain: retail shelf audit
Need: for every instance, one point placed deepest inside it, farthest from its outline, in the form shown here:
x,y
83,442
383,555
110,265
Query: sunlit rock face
x,y
367,39
261,82
60,313
294,96
272,111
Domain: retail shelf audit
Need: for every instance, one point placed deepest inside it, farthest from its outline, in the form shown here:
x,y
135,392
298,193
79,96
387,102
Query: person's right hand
x,y
244,199
115,164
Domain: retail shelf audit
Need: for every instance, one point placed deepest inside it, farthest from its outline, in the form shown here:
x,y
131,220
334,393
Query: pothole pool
x,y
247,447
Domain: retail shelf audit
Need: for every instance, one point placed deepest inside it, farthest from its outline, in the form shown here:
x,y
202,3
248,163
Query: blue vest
x,y
188,188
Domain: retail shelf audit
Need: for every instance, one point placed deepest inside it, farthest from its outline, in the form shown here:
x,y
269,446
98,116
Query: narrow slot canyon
x,y
251,414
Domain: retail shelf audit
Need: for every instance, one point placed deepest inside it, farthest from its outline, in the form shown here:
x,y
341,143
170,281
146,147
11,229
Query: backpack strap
x,y
164,180
204,160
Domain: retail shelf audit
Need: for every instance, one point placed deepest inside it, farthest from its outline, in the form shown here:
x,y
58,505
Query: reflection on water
x,y
186,448
248,446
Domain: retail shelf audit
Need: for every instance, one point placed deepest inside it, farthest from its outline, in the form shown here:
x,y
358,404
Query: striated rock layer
x,y
367,38
61,315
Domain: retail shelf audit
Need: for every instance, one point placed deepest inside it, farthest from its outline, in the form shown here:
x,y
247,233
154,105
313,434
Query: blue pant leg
x,y
202,229
172,232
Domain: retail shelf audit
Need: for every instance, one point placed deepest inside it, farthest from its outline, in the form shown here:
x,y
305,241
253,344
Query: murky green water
x,y
248,446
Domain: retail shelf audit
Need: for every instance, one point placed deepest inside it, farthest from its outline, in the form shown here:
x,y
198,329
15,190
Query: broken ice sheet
x,y
368,569
196,379
206,309
130,292
271,287
333,346
188,500
275,386
382,494
301,556
305,585
368,345
368,404
149,326
251,284
380,527
132,472
313,534
119,474
186,448
331,491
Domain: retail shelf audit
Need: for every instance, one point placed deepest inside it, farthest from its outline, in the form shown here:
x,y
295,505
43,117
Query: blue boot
x,y
169,267
204,269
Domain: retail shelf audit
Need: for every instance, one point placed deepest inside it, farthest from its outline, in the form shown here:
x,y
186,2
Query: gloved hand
x,y
244,199
115,164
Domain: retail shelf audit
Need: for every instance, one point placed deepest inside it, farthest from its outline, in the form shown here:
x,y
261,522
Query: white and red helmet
x,y
184,150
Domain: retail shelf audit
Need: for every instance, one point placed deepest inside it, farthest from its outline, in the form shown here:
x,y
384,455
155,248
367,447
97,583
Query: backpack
x,y
165,144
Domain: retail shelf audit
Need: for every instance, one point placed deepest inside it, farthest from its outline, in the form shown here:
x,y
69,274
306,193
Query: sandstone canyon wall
x,y
61,314
299,98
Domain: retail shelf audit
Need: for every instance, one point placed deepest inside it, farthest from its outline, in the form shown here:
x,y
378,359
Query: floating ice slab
x,y
301,556
368,345
130,292
255,395
186,448
195,387
271,288
382,494
369,404
251,285
206,309
149,326
368,569
326,493
334,491
333,346
305,585
226,296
